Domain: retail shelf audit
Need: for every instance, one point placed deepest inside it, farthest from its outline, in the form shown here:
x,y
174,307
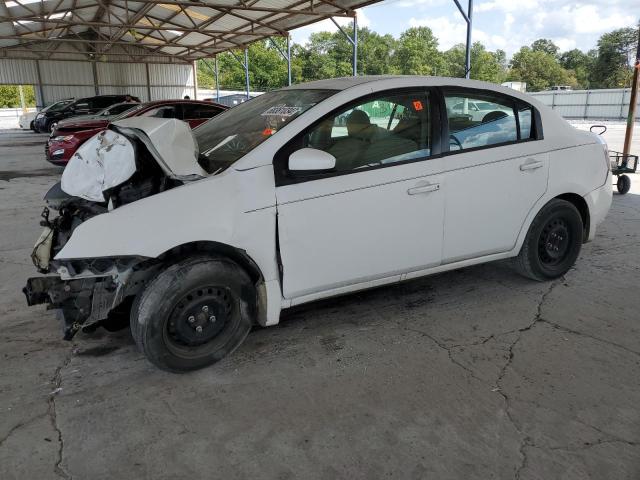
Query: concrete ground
x,y
472,374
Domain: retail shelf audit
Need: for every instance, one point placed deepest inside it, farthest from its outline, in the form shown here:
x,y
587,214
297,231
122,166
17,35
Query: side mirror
x,y
310,160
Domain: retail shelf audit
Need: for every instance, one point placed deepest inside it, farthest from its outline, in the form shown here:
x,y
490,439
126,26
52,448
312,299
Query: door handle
x,y
531,165
430,187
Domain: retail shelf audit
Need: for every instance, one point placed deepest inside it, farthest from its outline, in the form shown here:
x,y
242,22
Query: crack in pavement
x,y
444,347
56,381
498,385
586,335
20,425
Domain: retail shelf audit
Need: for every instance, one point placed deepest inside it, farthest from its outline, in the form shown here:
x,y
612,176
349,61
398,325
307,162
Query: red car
x,y
67,137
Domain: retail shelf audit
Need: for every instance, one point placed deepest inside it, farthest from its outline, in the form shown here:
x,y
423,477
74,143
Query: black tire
x,y
623,184
171,325
553,242
32,126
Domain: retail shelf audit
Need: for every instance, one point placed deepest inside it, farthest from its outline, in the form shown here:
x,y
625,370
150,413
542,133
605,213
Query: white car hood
x,y
108,159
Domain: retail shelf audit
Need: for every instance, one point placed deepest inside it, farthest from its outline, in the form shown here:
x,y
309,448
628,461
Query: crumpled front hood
x,y
108,159
169,140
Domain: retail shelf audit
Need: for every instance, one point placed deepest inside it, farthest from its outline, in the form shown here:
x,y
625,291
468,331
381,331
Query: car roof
x,y
182,101
409,81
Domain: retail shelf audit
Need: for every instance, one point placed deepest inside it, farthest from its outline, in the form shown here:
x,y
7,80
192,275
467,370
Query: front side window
x,y
229,136
479,122
382,130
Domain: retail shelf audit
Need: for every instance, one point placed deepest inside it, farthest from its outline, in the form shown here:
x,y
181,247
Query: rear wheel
x,y
553,242
623,184
193,314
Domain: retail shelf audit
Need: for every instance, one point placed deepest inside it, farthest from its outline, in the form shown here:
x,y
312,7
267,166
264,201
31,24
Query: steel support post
x,y
246,70
286,56
215,74
352,40
468,17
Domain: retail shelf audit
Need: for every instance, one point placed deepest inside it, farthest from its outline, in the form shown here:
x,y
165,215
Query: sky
x,y
498,24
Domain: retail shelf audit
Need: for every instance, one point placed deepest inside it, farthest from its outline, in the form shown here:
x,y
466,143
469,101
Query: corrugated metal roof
x,y
188,30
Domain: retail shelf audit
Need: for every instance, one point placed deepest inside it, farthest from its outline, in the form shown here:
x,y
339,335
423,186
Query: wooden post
x,y
631,117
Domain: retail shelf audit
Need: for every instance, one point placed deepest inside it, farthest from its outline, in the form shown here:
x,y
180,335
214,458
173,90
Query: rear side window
x,y
479,121
192,112
103,102
165,111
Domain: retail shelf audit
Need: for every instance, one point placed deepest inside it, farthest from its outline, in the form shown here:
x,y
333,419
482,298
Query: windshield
x,y
58,105
229,136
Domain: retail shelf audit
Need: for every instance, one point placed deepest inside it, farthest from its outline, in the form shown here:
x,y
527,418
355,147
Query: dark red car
x,y
67,137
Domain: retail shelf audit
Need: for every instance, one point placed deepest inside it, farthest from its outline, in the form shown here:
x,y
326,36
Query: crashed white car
x,y
304,193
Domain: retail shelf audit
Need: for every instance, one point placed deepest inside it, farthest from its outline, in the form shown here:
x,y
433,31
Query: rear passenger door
x,y
495,172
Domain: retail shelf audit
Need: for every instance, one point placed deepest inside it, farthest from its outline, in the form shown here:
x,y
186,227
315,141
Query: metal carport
x,y
146,48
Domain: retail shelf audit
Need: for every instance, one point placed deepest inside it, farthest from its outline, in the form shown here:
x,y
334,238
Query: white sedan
x,y
309,192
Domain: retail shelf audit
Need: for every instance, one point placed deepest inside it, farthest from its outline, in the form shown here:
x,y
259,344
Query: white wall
x,y
606,104
64,79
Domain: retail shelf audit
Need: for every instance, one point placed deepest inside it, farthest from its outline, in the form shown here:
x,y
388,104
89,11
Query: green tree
x,y
539,69
267,68
485,65
546,46
616,50
417,53
580,63
10,96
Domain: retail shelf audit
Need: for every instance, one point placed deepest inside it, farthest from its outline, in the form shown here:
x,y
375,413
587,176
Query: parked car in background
x,y
27,119
70,134
45,120
475,111
275,203
106,113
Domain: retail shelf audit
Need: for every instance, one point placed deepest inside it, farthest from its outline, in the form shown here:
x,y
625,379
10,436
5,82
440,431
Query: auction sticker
x,y
282,111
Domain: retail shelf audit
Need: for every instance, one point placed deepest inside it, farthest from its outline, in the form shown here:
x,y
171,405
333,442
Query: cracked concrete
x,y
473,374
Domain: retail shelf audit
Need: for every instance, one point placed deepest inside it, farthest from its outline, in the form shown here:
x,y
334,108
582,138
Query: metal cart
x,y
621,164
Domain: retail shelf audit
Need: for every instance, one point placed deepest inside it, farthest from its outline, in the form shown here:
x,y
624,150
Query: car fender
x,y
578,170
233,208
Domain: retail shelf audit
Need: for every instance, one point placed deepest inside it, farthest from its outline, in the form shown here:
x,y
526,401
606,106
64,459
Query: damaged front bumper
x,y
90,300
74,299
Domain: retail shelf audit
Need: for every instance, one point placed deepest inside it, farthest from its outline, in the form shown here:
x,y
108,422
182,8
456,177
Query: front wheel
x,y
553,242
194,313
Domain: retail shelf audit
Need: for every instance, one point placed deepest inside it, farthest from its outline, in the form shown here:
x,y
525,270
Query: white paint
x,y
366,228
104,161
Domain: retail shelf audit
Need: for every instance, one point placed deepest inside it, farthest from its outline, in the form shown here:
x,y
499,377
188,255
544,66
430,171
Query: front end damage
x,y
118,166
98,296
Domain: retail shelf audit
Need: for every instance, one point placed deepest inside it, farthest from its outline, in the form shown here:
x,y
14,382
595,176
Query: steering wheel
x,y
453,140
237,145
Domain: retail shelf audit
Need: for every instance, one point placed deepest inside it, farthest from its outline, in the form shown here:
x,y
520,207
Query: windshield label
x,y
282,111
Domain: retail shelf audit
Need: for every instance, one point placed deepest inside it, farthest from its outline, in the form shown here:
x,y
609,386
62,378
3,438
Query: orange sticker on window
x,y
268,131
417,104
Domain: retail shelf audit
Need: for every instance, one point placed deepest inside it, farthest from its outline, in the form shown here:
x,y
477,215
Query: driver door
x,y
378,214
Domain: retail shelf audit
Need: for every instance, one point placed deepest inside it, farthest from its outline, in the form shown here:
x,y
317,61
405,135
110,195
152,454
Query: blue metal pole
x,y
289,58
467,62
355,45
215,72
246,70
